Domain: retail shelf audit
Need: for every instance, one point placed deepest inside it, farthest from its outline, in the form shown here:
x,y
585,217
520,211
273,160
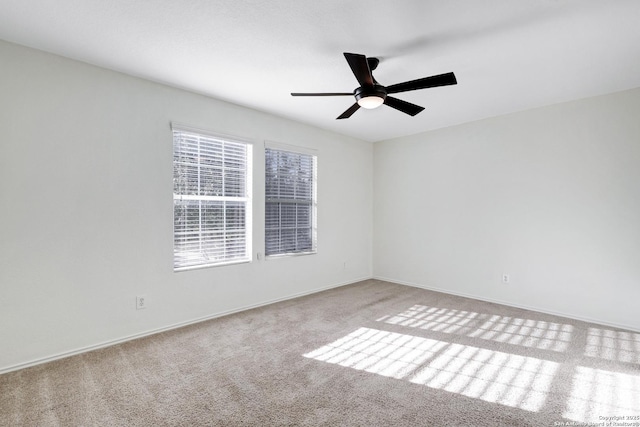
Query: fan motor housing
x,y
375,90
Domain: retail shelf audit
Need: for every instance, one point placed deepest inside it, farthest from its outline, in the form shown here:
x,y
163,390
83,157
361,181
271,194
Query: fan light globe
x,y
370,102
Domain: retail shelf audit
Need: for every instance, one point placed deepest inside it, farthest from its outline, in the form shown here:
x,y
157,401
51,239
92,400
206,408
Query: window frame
x,y
247,199
294,149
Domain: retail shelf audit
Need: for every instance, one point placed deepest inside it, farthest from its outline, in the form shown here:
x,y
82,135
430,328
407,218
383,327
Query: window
x,y
290,194
211,199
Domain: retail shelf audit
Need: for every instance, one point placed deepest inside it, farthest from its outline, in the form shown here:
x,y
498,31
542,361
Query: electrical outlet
x,y
141,302
505,278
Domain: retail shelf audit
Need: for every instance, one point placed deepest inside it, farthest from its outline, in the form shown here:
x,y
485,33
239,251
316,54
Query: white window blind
x,y
211,200
290,208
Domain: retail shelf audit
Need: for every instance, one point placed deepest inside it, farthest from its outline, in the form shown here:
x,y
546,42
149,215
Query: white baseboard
x,y
509,304
109,343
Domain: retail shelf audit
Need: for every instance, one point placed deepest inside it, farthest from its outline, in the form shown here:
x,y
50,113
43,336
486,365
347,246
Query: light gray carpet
x,y
368,354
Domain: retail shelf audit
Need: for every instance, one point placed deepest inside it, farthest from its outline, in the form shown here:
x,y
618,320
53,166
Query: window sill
x,y
219,264
289,255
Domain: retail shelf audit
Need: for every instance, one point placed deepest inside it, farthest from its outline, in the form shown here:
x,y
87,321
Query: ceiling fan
x,y
372,94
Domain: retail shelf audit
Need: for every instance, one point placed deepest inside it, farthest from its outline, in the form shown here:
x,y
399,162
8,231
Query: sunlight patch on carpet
x,y
505,329
620,346
598,392
493,376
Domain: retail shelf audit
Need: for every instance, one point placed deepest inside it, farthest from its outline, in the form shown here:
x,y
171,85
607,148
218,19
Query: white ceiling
x,y
508,55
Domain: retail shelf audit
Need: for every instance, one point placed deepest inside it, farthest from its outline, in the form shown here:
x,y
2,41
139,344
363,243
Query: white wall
x,y
86,214
550,196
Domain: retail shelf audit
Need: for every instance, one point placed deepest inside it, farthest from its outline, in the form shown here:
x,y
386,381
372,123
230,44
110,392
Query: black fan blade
x,y
404,106
322,94
424,83
349,111
360,68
